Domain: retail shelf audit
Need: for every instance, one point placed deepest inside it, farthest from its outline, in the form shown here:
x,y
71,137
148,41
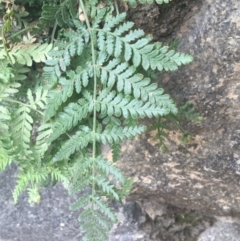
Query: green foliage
x,y
133,3
61,14
185,113
89,93
25,54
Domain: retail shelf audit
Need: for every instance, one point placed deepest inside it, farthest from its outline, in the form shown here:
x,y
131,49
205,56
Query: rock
x,y
51,218
164,21
181,191
48,220
202,175
221,231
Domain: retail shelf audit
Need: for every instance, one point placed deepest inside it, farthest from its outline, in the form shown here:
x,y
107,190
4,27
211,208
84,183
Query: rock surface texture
x,y
176,195
204,174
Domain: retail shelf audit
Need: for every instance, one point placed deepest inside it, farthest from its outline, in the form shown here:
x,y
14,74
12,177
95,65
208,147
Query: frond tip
x,y
133,3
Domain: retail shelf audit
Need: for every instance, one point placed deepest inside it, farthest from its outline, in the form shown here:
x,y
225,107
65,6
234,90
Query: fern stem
x,y
21,103
20,31
5,46
53,32
116,6
177,125
94,98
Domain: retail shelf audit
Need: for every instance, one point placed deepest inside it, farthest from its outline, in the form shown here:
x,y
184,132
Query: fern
x,y
93,91
133,3
25,54
60,13
185,112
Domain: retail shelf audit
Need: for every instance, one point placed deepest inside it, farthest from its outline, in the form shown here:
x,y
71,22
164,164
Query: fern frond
x,y
104,166
116,134
5,160
8,89
60,13
58,176
33,195
5,118
40,98
22,183
103,208
41,145
127,81
116,150
58,96
6,72
24,54
23,179
162,129
135,46
72,114
82,202
96,219
133,3
116,104
21,127
78,141
106,187
73,44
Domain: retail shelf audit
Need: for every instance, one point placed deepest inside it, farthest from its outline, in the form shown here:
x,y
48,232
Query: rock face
x,y
179,192
204,174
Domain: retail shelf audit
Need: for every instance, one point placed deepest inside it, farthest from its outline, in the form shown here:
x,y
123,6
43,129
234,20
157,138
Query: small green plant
x,y
185,112
88,94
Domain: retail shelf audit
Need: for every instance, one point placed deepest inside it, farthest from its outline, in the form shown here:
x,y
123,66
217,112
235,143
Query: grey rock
x,y
48,220
204,174
51,218
221,231
201,177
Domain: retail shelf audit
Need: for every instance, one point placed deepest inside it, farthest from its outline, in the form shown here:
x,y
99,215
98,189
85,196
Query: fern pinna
x,y
93,94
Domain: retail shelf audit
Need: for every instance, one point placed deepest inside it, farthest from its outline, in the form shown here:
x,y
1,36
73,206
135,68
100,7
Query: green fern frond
x,y
20,72
8,89
58,176
24,54
22,183
5,159
188,111
127,81
133,45
106,187
116,134
41,145
58,96
103,208
21,127
24,178
74,43
6,72
104,166
162,129
116,104
116,151
96,219
4,116
33,195
133,3
126,187
78,141
82,202
73,113
60,13
40,98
